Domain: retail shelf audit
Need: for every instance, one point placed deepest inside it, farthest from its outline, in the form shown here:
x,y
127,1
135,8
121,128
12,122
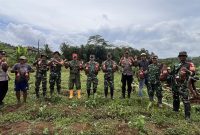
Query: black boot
x,y
176,102
51,92
37,93
187,108
88,92
106,92
111,93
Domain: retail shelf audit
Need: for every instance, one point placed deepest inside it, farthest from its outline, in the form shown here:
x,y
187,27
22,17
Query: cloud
x,y
21,34
165,38
164,27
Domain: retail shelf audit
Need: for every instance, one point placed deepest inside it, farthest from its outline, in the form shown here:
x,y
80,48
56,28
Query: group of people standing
x,y
149,74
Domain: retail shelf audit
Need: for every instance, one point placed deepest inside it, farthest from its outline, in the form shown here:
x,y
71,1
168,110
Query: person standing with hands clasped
x,y
22,71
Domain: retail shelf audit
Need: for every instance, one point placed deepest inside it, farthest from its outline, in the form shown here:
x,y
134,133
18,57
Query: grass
x,y
59,115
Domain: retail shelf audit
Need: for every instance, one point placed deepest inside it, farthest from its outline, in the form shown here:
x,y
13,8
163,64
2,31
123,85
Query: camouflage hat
x,y
56,52
127,52
22,58
154,57
92,56
43,55
183,53
143,54
109,54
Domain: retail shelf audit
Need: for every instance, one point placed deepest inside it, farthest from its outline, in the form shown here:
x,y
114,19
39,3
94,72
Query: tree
x,y
21,51
97,40
46,50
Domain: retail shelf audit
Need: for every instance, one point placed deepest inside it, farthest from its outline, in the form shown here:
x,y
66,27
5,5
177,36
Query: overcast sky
x,y
162,26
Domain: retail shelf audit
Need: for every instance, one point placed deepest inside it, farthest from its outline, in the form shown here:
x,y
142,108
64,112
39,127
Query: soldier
x,y
142,75
41,74
55,65
182,73
3,78
74,77
22,71
127,73
91,70
154,71
109,67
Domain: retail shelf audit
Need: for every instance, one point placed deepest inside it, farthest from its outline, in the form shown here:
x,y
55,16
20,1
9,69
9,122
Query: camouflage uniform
x,y
108,68
154,82
55,76
41,76
91,69
74,76
180,87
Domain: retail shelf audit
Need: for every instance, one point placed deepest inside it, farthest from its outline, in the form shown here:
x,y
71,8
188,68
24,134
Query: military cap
x,y
43,55
126,52
109,54
154,57
56,52
92,56
22,58
183,53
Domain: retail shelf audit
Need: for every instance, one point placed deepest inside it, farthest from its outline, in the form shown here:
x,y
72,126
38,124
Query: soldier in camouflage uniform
x,y
74,77
55,65
91,70
109,67
154,83
180,87
41,74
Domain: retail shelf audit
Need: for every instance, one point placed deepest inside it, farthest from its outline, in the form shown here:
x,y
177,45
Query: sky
x,y
164,27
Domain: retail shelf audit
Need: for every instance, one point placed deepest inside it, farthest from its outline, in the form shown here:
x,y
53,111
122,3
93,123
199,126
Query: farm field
x,y
60,115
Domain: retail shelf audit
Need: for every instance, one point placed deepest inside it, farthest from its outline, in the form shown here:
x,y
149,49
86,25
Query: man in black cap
x,y
182,73
55,65
3,78
41,74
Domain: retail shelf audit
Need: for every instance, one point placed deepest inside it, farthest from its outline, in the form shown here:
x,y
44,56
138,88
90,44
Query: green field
x,y
59,115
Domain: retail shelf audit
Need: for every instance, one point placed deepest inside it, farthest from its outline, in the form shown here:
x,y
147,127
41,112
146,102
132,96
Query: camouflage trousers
x,y
157,87
55,78
74,80
109,83
181,91
92,81
41,77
